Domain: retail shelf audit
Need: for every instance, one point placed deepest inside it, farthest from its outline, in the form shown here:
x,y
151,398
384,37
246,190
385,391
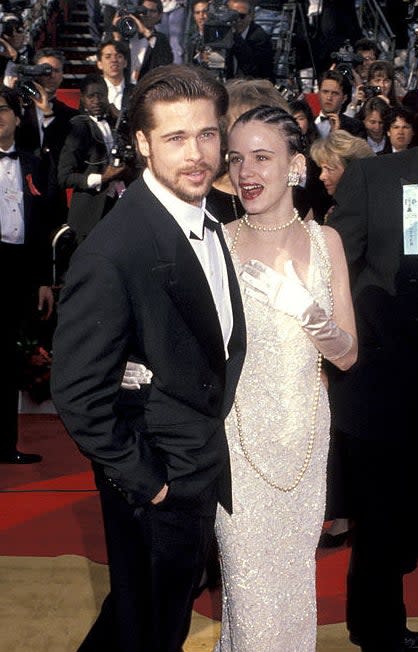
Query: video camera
x,y
26,75
122,152
345,59
126,26
218,35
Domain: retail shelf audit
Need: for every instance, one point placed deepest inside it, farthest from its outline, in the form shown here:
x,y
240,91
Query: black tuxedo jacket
x,y
135,288
28,136
160,55
84,153
377,397
254,55
37,189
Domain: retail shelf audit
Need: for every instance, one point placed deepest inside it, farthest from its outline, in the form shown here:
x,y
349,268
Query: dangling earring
x,y
293,178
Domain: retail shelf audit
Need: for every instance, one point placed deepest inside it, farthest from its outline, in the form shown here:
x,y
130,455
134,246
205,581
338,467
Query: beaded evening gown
x,y
267,547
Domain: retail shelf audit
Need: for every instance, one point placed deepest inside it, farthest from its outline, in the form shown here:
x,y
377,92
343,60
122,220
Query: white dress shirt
x,y
12,224
94,179
323,126
138,47
206,246
115,93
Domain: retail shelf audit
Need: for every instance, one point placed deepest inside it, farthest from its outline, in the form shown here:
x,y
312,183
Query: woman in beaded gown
x,y
298,308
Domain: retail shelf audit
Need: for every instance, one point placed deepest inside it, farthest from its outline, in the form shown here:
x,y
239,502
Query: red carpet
x,y
52,508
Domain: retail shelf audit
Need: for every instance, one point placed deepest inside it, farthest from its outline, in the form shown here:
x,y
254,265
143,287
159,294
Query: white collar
x,y
115,87
187,216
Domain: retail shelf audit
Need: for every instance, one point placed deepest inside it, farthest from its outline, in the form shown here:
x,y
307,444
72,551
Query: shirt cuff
x,y
94,180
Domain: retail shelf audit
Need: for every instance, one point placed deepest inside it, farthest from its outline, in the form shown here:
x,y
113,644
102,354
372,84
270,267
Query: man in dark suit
x,y
149,48
85,163
46,123
24,263
155,282
374,404
334,95
251,54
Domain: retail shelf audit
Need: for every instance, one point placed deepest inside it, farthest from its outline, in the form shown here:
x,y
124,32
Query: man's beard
x,y
185,192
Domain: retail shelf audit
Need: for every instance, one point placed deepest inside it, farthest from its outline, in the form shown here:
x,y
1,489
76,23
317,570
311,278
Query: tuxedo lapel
x,y
181,273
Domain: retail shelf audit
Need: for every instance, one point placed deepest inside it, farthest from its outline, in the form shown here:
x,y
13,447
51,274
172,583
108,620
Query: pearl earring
x,y
293,178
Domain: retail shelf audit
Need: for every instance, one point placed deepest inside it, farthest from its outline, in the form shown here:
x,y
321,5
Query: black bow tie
x,y
208,224
323,117
9,154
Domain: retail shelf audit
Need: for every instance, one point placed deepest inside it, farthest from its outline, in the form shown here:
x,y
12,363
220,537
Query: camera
x,y
371,91
122,152
345,59
25,78
218,36
126,26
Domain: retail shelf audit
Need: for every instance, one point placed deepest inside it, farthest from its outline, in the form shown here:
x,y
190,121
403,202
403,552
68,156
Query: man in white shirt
x,y
154,282
24,263
112,60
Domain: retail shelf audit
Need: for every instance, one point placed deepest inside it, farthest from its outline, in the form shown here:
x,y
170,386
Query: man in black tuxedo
x,y
46,123
251,54
149,48
85,163
154,282
334,95
374,404
25,269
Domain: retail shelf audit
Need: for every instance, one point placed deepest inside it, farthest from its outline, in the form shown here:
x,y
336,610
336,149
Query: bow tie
x,y
323,117
208,224
9,154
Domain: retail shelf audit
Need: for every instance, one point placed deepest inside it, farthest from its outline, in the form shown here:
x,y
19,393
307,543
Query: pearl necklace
x,y
268,229
316,390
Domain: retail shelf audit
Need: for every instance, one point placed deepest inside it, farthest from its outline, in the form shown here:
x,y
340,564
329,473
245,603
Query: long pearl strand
x,y
316,391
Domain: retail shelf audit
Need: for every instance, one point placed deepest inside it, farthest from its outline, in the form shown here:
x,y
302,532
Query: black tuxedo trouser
x,y
15,299
157,555
382,493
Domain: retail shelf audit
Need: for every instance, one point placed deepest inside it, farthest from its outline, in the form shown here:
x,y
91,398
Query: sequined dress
x,y
267,547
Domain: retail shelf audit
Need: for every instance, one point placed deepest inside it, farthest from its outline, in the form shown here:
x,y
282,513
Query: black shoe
x,y
411,640
20,458
327,540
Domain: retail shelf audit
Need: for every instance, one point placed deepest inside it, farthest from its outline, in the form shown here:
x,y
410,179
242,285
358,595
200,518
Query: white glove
x,y
288,294
282,292
135,375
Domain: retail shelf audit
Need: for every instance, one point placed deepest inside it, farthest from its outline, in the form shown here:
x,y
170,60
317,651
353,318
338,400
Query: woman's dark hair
x,y
386,68
399,112
285,123
374,104
173,83
300,106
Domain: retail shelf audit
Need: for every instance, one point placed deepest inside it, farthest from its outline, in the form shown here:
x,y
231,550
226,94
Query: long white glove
x,y
288,294
135,375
